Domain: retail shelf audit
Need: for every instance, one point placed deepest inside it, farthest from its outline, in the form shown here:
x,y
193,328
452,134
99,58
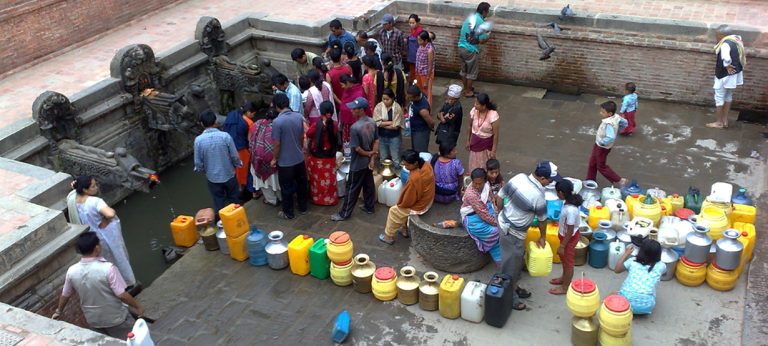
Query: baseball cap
x,y
547,169
359,102
388,18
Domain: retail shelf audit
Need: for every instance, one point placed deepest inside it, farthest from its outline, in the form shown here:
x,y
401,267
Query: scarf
x,y
317,98
261,149
739,43
417,31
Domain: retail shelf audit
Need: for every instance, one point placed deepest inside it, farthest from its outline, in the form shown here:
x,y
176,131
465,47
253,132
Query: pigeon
x,y
566,12
547,49
555,27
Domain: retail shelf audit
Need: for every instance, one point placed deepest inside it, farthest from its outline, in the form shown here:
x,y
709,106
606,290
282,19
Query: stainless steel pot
x,y
589,193
729,248
605,226
697,244
221,238
670,258
624,237
277,251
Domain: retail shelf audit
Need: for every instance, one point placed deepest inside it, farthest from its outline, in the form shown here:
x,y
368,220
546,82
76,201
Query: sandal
x,y
384,240
520,307
523,293
715,125
558,291
556,281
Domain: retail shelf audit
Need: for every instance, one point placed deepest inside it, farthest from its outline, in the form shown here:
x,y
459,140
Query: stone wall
x,y
36,28
670,61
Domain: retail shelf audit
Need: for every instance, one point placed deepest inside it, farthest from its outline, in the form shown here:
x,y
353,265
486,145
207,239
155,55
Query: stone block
x,y
449,250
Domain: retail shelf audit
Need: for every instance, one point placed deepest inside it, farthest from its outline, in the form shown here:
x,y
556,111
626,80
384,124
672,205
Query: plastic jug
x,y
498,300
221,238
256,243
721,192
341,328
139,335
689,273
450,296
610,192
693,199
619,217
598,251
615,316
184,231
553,240
341,273
744,240
598,213
553,209
632,188
675,201
605,339
533,234
666,207
234,220
589,193
319,264
720,279
298,254
743,213
404,174
339,246
583,298
747,232
656,193
616,250
714,218
380,194
725,207
384,284
648,207
473,301
392,191
539,259
630,201
237,248
742,198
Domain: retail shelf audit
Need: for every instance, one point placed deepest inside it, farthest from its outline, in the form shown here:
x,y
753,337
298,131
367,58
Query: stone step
x,y
17,134
27,149
37,227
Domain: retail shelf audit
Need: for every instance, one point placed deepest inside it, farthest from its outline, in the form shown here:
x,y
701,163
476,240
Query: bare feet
x,y
716,125
623,182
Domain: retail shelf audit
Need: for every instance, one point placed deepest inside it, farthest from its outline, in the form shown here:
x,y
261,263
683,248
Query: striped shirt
x,y
524,199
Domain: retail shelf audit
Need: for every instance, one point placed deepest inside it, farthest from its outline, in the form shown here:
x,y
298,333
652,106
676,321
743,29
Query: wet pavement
x,y
206,298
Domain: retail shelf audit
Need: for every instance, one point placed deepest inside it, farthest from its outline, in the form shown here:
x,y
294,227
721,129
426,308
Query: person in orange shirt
x,y
238,125
416,198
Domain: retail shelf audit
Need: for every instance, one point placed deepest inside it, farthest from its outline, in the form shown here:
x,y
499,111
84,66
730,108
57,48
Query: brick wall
x,y
35,28
600,62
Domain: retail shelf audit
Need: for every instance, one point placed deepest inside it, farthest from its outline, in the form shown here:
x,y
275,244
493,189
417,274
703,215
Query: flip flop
x,y
384,240
520,307
557,291
556,282
523,293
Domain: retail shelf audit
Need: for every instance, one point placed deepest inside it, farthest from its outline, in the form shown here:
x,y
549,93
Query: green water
x,y
146,217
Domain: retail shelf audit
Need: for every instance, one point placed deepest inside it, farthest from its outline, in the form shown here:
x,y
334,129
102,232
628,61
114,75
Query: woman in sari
x,y
95,213
323,144
478,216
484,132
317,93
264,176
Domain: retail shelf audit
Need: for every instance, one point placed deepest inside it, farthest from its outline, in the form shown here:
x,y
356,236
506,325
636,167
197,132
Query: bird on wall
x,y
566,12
546,48
555,27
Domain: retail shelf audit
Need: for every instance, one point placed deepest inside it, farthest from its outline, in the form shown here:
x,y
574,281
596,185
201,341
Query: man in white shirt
x,y
731,59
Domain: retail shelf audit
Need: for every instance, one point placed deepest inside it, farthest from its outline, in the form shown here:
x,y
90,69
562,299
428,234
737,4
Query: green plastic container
x,y
319,264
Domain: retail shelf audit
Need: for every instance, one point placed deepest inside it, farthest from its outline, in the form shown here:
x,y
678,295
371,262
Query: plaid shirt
x,y
393,43
215,154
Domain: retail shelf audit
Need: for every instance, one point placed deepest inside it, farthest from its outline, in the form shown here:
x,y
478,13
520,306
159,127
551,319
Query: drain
x,y
754,117
9,339
554,95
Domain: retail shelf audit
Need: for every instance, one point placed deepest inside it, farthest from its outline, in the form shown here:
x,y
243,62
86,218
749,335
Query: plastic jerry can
x,y
234,220
319,264
553,240
721,192
380,194
693,199
539,260
597,213
473,301
675,201
742,198
256,243
341,328
743,213
450,296
498,300
630,200
184,231
237,248
553,209
139,335
615,251
747,232
298,254
392,191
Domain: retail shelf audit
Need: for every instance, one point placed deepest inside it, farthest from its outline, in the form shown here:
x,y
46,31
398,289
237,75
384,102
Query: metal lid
x,y
583,286
385,273
339,237
616,303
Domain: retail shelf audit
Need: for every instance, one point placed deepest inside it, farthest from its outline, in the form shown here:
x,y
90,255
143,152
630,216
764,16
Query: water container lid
x,y
583,286
635,195
599,207
555,224
663,208
616,303
385,273
339,237
236,206
306,236
494,290
684,213
744,234
455,277
674,195
690,263
343,263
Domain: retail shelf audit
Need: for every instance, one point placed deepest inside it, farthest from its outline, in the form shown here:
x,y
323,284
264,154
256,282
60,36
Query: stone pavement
x,y
207,298
86,64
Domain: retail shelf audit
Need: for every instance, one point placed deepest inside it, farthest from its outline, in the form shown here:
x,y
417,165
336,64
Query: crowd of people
x,y
357,99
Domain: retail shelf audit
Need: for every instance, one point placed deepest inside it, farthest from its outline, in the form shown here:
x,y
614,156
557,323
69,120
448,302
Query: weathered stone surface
x,y
449,250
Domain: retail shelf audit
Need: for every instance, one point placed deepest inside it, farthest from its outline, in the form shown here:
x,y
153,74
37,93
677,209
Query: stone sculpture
x,y
56,117
116,168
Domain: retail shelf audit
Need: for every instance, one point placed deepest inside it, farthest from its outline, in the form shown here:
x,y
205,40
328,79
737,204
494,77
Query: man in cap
x,y
523,197
392,40
364,143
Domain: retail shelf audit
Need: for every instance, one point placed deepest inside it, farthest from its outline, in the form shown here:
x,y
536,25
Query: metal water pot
x,y
624,237
277,251
729,248
605,226
387,170
589,192
697,244
670,258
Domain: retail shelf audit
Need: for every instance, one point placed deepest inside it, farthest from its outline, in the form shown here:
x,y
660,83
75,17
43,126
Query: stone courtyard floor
x,y
206,298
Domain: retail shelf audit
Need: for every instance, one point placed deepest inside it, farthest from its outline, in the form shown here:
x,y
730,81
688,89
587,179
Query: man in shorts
x,y
470,39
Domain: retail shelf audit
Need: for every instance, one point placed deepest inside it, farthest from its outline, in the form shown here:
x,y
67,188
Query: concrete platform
x,y
207,298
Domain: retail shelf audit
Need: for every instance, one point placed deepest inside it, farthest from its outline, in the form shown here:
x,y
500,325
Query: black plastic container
x,y
498,300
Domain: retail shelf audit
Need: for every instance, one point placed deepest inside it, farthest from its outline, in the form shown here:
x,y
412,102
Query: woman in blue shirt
x,y
645,271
